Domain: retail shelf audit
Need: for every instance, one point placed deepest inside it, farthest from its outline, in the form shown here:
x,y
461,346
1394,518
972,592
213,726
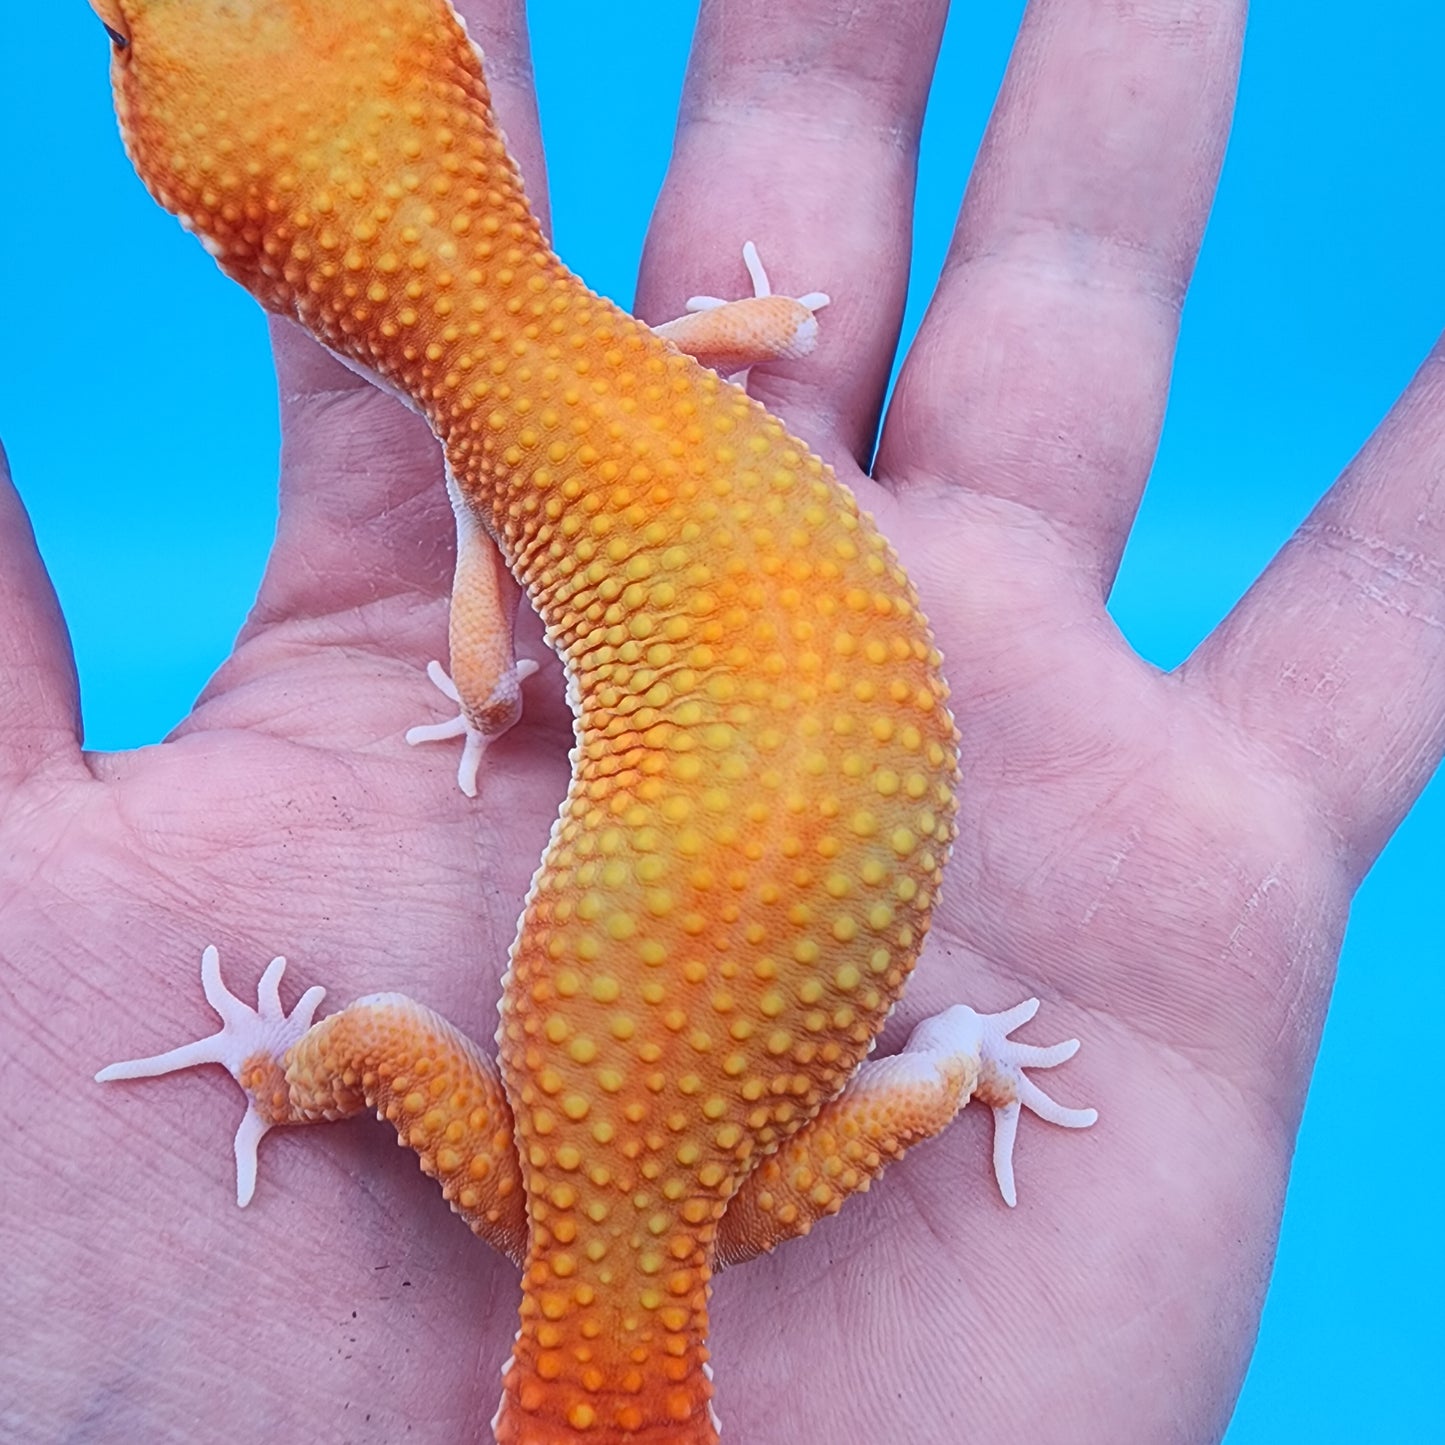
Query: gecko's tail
x,y
585,1367
513,1427
536,1410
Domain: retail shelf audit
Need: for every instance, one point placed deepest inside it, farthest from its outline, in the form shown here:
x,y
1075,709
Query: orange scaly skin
x,y
763,790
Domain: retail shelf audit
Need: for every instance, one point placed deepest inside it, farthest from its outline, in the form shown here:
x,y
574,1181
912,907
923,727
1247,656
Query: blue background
x,y
1320,289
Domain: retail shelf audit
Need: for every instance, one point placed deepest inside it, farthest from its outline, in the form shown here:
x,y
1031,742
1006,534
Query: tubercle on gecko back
x,y
763,793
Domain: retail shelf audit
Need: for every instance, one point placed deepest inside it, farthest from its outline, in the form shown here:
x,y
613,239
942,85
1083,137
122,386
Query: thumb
x,y
39,694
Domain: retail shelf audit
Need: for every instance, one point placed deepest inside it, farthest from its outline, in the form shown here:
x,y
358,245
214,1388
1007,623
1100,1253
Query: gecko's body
x,y
763,787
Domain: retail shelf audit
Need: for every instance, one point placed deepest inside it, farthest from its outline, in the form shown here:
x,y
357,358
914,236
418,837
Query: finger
x,y
799,130
39,696
1336,656
1040,373
365,526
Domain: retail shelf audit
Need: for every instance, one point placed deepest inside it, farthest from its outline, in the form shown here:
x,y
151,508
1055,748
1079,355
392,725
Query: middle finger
x,y
799,130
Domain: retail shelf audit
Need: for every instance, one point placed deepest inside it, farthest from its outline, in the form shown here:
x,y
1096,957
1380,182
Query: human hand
x,y
1167,859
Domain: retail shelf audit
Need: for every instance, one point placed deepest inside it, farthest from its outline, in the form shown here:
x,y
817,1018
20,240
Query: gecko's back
x,y
762,798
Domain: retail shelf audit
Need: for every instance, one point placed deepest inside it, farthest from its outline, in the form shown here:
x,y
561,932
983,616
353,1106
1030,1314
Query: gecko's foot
x,y
249,1044
475,738
1003,1085
732,337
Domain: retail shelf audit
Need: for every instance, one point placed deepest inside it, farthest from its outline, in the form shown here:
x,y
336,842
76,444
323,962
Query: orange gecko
x,y
762,795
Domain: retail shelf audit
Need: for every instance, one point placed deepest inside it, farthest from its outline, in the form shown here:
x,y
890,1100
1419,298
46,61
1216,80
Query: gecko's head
x,y
275,128
200,82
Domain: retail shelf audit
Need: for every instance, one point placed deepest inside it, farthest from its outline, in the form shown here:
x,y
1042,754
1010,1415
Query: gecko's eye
x,y
121,42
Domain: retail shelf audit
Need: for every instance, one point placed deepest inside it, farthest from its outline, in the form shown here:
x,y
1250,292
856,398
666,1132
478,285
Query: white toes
x,y
249,1133
475,741
983,1038
1004,1061
245,1032
471,762
1005,1131
961,1034
1033,1098
473,747
1006,1022
754,263
1030,1056
453,727
203,1051
220,998
762,287
442,681
268,990
811,301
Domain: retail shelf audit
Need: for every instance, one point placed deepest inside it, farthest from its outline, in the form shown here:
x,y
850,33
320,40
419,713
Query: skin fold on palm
x,y
1167,859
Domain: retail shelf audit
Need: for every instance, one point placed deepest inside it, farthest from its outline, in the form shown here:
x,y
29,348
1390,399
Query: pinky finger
x,y
39,696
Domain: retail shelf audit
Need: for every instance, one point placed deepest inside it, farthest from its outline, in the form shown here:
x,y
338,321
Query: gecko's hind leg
x,y
249,1045
890,1105
732,337
384,1052
486,677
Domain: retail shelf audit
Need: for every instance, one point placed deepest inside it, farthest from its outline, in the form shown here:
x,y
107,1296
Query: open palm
x,y
1167,860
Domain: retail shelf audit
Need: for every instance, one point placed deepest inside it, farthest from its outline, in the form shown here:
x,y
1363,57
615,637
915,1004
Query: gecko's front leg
x,y
486,677
485,681
732,337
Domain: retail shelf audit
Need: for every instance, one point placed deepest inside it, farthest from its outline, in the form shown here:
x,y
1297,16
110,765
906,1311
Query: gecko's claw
x,y
461,726
245,1035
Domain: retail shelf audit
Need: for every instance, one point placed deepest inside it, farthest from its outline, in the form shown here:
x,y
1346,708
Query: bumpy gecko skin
x,y
730,337
762,797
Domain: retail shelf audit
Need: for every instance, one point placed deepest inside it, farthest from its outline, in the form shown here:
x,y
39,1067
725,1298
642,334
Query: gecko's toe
x,y
1007,1089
